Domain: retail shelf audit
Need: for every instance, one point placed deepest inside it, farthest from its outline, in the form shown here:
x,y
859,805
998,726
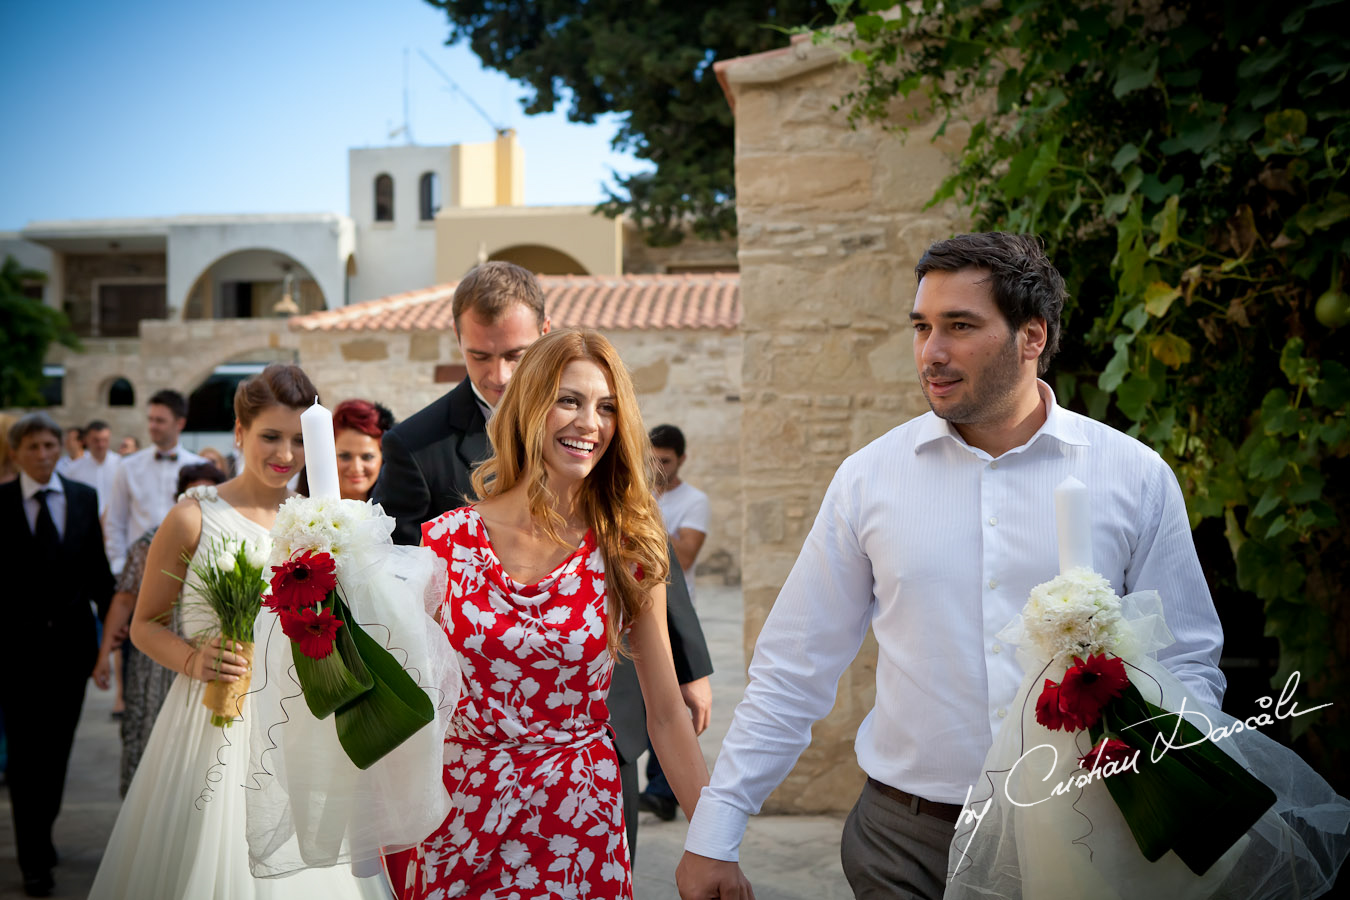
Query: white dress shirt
x,y
936,545
98,475
685,506
144,489
56,501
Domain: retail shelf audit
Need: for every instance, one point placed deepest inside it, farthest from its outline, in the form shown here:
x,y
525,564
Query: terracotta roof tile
x,y
605,302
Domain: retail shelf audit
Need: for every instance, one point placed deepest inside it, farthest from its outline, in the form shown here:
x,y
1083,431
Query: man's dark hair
x,y
489,289
97,425
668,437
173,401
1024,282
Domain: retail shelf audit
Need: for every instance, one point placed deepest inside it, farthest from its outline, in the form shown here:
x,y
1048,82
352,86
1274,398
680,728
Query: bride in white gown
x,y
181,832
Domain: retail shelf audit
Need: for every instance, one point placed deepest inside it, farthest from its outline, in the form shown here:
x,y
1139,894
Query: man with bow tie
x,y
144,488
51,550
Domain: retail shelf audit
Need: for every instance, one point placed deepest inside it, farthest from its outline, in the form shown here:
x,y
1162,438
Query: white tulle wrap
x,y
308,805
1077,844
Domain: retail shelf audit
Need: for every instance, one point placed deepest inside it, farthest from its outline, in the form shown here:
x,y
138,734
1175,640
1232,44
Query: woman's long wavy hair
x,y
616,498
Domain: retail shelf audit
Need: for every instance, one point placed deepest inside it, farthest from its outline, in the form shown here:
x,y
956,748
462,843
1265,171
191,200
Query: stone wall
x,y
831,225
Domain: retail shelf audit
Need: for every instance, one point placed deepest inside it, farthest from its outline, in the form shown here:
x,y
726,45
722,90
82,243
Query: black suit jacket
x,y
47,609
429,459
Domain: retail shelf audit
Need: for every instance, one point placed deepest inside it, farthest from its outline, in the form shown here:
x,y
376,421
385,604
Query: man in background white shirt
x,y
73,449
683,506
98,466
933,535
144,488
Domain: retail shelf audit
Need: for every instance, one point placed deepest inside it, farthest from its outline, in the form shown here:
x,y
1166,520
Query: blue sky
x,y
147,108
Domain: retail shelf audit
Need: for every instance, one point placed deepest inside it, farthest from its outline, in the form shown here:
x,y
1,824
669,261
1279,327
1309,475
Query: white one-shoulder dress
x,y
181,832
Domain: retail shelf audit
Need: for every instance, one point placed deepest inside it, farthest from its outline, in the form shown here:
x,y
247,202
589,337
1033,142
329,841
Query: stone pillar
x,y
831,225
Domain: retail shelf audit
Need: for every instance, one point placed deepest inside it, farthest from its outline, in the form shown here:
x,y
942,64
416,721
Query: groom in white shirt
x,y
933,535
146,484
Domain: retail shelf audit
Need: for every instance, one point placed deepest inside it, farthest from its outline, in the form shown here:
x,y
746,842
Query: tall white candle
x,y
316,424
1073,519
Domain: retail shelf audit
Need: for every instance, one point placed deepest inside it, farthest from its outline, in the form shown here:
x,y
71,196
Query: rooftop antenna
x,y
406,128
500,130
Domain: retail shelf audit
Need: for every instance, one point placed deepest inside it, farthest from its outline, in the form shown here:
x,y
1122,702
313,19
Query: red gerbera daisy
x,y
1106,750
313,632
303,580
1090,685
1049,712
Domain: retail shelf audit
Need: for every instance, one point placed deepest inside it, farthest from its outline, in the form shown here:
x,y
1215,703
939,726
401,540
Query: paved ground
x,y
785,857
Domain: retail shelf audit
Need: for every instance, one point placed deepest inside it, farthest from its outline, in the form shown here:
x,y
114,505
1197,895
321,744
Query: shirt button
x,y
1002,713
997,648
993,520
994,464
993,583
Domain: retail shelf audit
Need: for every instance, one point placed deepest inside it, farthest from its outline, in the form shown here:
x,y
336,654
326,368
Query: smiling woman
x,y
563,556
179,806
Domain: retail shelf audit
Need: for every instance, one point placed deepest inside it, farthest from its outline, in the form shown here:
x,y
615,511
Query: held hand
x,y
697,696
217,661
102,673
701,878
120,636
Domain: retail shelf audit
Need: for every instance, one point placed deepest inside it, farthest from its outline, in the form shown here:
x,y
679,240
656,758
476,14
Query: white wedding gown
x,y
181,832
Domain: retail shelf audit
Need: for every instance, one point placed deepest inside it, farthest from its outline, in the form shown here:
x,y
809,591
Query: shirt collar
x,y
1059,425
29,487
485,407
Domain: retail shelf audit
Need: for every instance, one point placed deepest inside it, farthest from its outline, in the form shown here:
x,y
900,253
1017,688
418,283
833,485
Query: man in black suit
x,y
51,549
429,458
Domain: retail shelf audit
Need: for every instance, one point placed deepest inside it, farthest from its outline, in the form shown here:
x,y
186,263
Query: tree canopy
x,y
27,329
649,63
1186,163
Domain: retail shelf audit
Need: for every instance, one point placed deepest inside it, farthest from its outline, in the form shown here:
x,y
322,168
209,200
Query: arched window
x,y
121,393
428,196
384,198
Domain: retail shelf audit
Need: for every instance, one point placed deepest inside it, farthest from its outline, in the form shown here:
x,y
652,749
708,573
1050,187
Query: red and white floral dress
x,y
529,760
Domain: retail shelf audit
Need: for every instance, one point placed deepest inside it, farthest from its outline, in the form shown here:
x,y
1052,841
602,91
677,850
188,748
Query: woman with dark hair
x,y
145,683
181,832
358,426
563,557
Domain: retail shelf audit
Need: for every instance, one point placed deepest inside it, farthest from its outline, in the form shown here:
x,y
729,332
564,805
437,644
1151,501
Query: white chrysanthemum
x,y
1073,614
326,526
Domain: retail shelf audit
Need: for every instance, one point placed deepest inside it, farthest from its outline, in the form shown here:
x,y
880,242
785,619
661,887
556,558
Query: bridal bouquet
x,y
342,670
1176,789
230,583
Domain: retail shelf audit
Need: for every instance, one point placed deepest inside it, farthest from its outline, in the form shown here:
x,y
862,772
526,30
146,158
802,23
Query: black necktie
x,y
44,529
165,457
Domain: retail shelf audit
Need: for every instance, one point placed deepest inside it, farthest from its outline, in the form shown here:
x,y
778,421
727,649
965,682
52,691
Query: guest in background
x,y
145,683
215,458
358,426
74,449
98,466
51,551
142,492
128,446
9,470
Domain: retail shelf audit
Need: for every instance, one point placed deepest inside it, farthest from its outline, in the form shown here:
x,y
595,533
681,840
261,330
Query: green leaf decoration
x,y
340,677
393,710
1170,350
1194,801
1158,298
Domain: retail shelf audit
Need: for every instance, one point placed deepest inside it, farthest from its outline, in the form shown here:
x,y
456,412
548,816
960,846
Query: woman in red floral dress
x,y
564,554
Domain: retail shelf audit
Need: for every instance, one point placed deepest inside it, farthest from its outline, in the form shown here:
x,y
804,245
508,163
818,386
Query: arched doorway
x,y
253,284
541,260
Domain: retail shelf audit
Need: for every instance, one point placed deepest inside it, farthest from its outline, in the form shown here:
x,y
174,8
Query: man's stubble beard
x,y
992,397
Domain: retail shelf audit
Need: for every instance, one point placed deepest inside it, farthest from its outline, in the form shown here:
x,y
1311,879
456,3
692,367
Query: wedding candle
x,y
1073,519
316,424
